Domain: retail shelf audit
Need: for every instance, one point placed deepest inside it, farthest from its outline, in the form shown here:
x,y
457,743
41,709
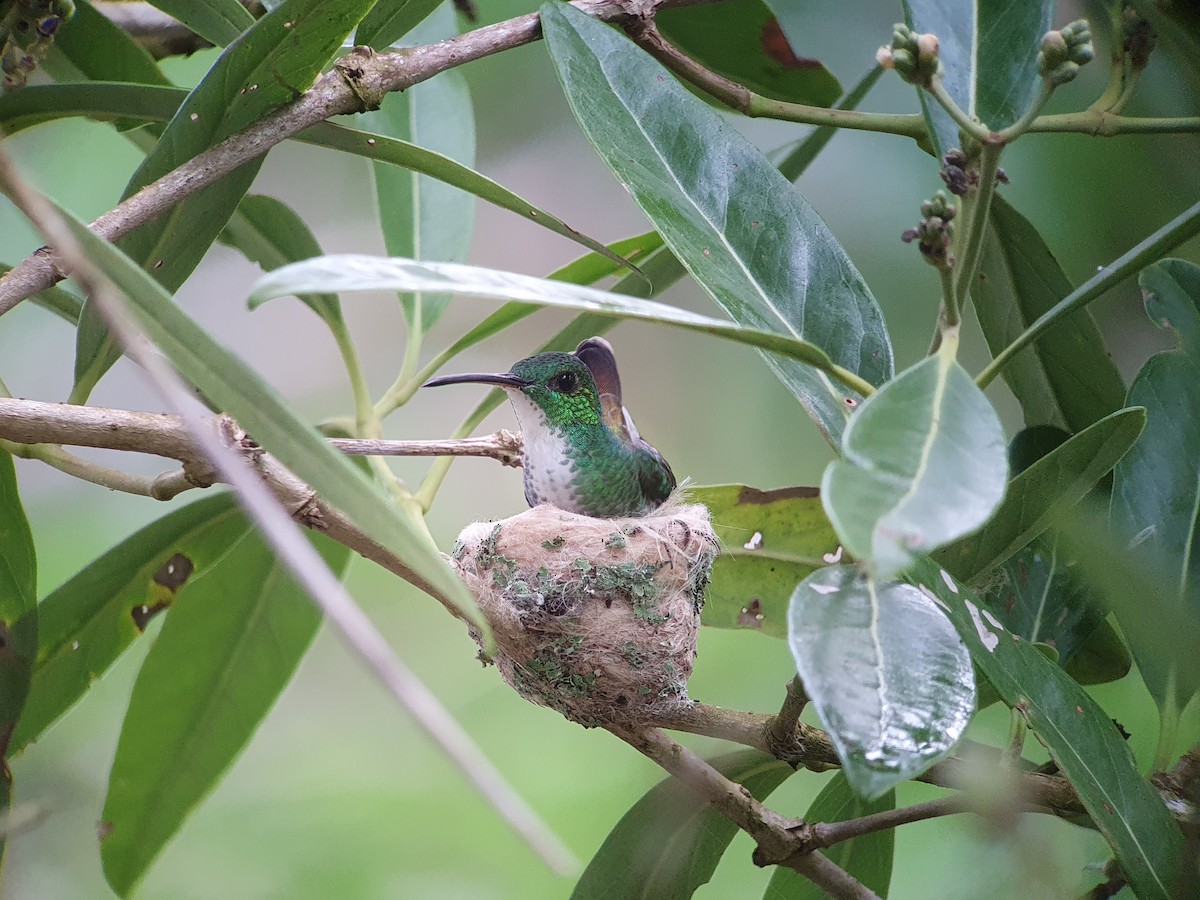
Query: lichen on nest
x,y
596,618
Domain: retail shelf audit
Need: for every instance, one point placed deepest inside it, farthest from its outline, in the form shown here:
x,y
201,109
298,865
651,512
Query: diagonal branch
x,y
358,81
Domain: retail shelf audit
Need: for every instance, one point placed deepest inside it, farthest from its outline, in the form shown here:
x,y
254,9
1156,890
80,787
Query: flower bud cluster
x,y
914,56
1064,51
935,232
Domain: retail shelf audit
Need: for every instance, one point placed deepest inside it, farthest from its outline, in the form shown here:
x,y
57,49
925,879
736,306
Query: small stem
x,y
1168,727
1018,728
743,100
781,731
161,487
971,127
949,315
503,446
1126,95
1099,123
1153,248
1019,127
989,162
826,834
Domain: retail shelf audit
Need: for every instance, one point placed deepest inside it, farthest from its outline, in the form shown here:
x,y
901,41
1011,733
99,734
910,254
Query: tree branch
x,y
358,82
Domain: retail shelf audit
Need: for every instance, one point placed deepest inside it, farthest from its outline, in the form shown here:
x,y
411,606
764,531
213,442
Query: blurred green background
x,y
337,795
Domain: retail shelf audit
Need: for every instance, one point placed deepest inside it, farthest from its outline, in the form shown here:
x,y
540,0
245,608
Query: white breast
x,y
548,470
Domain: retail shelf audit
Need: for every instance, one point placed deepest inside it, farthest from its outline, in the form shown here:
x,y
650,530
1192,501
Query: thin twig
x,y
279,531
781,731
826,834
774,835
359,81
740,98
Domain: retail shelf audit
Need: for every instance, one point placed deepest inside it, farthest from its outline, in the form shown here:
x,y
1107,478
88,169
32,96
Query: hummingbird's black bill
x,y
504,379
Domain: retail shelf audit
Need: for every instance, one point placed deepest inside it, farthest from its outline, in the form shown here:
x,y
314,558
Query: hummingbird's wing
x,y
597,354
654,474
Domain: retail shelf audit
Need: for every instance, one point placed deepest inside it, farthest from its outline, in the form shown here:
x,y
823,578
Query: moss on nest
x,y
596,618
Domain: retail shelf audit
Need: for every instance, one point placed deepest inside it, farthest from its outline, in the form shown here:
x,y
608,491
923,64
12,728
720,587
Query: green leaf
x,y
670,841
742,230
103,101
1156,486
868,858
237,389
770,542
390,20
266,67
1043,492
885,671
1078,734
924,464
101,50
88,622
1067,378
989,53
352,273
18,610
422,217
743,41
225,652
270,233
410,156
217,21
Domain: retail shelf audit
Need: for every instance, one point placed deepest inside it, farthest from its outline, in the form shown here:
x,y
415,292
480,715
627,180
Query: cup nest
x,y
595,618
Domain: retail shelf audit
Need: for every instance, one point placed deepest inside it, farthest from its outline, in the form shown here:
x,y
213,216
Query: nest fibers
x,y
596,618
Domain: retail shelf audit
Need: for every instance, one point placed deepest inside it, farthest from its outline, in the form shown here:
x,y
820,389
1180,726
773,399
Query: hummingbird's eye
x,y
564,383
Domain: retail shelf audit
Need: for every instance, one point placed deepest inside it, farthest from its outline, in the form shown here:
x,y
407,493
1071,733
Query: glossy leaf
x,y
102,50
353,273
670,841
770,542
390,20
421,217
410,156
1066,378
270,233
228,648
742,230
1079,735
267,66
18,606
743,41
924,464
1043,492
868,858
1156,486
88,622
234,387
989,53
217,21
886,673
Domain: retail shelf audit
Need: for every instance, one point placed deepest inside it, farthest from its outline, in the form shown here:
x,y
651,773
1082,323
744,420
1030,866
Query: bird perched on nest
x,y
582,452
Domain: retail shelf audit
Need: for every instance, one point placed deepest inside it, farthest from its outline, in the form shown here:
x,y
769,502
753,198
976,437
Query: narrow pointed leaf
x,y
743,41
278,57
421,217
1156,486
1039,496
88,622
1066,378
226,650
390,20
743,231
18,620
770,542
924,464
270,233
1079,735
886,673
102,50
217,21
352,273
989,53
103,101
237,389
670,841
868,858
410,156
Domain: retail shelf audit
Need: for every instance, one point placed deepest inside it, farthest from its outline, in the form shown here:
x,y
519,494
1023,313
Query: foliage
x,y
931,575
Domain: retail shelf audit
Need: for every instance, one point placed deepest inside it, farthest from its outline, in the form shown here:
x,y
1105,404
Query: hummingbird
x,y
582,452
